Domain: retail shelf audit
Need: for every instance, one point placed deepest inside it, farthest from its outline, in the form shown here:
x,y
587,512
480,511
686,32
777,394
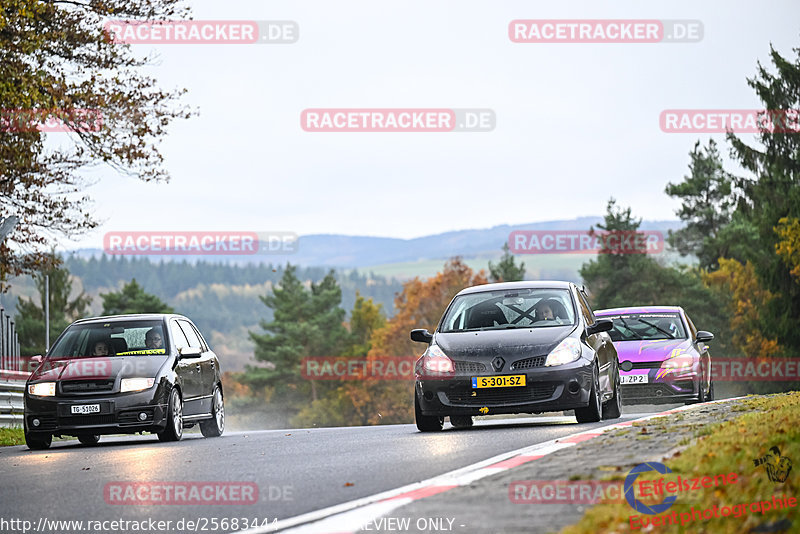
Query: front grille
x,y
86,420
469,367
489,396
649,391
647,365
86,386
529,363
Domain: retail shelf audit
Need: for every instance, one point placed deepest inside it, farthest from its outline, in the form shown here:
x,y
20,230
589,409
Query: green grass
x,y
12,436
723,448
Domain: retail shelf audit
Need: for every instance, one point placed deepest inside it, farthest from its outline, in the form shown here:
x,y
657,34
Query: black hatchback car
x,y
125,374
516,347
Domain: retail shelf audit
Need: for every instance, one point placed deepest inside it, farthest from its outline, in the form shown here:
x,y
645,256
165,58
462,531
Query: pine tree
x,y
506,270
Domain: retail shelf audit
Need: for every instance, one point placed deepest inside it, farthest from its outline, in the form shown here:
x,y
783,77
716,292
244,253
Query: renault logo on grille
x,y
498,363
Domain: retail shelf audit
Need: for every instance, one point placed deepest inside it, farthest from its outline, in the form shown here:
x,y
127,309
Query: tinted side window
x,y
194,341
177,336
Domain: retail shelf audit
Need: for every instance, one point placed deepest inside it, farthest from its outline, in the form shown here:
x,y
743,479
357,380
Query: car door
x,y
702,350
210,367
205,366
188,371
601,343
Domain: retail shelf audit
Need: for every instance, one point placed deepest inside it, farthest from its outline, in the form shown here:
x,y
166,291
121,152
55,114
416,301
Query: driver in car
x,y
153,339
544,312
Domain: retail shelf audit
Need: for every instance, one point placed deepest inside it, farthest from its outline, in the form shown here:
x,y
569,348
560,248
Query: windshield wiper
x,y
670,336
632,331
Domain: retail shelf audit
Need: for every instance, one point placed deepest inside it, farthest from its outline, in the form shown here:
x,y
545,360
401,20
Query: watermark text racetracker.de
x,y
755,369
776,121
397,120
583,242
346,368
51,120
202,31
605,31
123,526
199,243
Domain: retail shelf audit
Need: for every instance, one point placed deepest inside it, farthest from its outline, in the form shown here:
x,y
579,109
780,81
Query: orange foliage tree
x,y
748,298
421,305
788,248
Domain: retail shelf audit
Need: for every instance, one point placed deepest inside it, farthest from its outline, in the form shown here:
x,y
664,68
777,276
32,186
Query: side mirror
x,y
190,352
421,335
602,325
703,336
36,359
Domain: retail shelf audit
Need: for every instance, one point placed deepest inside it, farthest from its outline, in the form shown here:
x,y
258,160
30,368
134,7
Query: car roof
x,y
639,309
526,284
129,317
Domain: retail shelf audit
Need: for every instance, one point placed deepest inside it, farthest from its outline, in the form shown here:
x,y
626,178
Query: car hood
x,y
490,343
651,351
99,368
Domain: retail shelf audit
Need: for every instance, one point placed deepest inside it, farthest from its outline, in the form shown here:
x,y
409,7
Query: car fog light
x,y
142,416
36,422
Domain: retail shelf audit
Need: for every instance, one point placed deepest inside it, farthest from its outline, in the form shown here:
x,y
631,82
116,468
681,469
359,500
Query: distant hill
x,y
342,251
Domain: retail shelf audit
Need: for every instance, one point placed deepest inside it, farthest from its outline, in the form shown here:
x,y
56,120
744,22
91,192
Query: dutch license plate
x,y
633,379
85,408
498,381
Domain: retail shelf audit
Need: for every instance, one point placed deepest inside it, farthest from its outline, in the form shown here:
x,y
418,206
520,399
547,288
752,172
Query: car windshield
x,y
110,339
646,326
519,308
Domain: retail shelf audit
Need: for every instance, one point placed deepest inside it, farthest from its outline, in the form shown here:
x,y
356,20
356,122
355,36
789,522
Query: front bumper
x,y
119,413
547,389
662,391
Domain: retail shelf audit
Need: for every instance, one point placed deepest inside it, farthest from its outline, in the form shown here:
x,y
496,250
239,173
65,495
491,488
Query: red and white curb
x,y
351,516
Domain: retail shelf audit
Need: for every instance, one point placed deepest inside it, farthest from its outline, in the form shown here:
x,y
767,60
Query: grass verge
x,y
721,449
12,436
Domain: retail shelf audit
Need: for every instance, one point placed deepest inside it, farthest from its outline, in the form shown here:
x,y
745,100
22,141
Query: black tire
x,y
174,430
426,423
214,427
38,442
710,394
461,421
593,412
701,395
612,408
89,439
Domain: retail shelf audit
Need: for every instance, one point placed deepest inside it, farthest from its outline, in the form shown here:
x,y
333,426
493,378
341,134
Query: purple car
x,y
663,358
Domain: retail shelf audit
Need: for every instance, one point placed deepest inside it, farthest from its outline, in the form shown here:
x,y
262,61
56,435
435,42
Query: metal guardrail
x,y
11,404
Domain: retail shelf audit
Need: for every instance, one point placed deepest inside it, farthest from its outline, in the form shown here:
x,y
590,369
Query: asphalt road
x,y
296,471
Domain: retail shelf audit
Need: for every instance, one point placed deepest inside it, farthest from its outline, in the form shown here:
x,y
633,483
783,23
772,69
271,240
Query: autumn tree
x,y
788,245
421,305
772,193
746,307
56,61
507,269
359,401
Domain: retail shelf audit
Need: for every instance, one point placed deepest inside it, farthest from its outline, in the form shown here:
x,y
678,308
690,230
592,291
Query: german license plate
x,y
85,409
633,379
498,381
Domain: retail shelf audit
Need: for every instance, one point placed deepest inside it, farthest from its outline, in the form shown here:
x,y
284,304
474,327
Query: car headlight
x,y
567,351
136,384
679,364
435,364
43,389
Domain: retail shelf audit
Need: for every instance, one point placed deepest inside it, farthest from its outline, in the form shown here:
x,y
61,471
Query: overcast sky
x,y
576,123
